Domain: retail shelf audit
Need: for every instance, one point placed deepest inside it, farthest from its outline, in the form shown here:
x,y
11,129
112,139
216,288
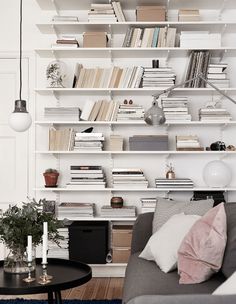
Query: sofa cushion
x,y
145,278
201,252
229,261
165,209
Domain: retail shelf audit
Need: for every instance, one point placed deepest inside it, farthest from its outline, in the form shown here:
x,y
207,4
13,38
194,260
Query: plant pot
x,y
51,179
15,260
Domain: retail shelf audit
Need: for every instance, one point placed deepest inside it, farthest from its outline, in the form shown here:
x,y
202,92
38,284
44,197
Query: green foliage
x,y
18,222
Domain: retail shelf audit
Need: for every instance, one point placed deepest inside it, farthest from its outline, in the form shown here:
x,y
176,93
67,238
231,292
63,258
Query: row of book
x,y
217,75
104,110
150,37
176,109
112,77
61,139
125,211
86,177
214,114
148,204
71,113
129,178
198,64
174,183
188,143
61,251
158,77
66,41
106,12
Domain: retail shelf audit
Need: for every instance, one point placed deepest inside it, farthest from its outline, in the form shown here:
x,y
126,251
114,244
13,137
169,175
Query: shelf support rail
x,y
56,7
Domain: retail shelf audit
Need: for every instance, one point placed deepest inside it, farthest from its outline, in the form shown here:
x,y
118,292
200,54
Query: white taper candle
x,y
29,248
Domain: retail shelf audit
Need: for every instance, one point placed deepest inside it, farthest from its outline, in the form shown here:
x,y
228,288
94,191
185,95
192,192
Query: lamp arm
x,y
200,75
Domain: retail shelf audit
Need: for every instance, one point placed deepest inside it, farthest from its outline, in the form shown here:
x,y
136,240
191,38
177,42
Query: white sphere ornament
x,y
217,174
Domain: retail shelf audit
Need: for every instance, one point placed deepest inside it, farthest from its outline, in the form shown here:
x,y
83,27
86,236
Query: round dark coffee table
x,y
66,274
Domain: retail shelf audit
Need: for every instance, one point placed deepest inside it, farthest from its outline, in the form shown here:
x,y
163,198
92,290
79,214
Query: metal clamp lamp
x,y
20,120
155,115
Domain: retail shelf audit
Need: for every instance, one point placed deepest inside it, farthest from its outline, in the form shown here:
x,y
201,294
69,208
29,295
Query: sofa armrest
x,y
184,299
142,231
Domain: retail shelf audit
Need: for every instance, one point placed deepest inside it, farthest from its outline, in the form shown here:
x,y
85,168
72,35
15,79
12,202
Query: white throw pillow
x,y
228,287
163,245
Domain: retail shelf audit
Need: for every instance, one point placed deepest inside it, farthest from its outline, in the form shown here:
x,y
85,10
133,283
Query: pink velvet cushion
x,y
201,251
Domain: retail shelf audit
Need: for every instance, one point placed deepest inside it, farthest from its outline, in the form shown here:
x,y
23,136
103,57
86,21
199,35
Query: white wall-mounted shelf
x,y
99,218
61,189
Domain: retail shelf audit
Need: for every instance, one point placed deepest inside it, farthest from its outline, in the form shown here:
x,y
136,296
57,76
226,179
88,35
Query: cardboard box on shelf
x,y
151,13
120,255
121,236
95,39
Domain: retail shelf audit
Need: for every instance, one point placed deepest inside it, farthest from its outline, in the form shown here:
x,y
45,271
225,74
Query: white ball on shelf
x,y
217,174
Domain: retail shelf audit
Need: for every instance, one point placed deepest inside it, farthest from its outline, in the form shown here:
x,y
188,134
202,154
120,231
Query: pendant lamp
x,y
20,120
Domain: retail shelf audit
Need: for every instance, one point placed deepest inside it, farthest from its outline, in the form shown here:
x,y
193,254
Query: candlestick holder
x,y
29,278
45,278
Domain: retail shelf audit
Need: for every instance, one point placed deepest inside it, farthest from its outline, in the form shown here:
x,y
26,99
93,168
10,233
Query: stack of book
x,y
101,110
66,42
188,143
61,251
150,37
60,18
186,15
217,114
158,77
86,177
199,39
61,140
126,211
100,12
88,141
176,109
62,113
130,112
198,63
217,75
129,178
115,143
74,211
174,183
112,77
118,11
148,204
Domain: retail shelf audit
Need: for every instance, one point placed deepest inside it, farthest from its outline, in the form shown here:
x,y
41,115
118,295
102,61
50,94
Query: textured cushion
x,y
166,208
228,287
145,278
163,245
229,262
202,250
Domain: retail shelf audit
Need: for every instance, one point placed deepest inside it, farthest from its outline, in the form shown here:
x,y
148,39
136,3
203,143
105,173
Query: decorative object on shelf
x,y
49,206
170,174
218,146
117,202
20,120
217,174
155,115
31,217
56,74
231,148
51,177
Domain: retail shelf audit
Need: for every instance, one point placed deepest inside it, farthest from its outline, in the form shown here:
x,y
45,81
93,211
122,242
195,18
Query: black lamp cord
x,y
20,48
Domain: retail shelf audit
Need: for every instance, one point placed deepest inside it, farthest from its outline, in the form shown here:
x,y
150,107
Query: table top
x,y
66,274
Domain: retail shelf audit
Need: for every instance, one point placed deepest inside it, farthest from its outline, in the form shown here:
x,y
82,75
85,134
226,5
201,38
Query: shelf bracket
x,y
222,9
56,95
55,30
54,53
223,53
56,7
55,155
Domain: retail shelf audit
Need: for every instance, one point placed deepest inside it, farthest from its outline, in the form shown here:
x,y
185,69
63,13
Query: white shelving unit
x,y
217,16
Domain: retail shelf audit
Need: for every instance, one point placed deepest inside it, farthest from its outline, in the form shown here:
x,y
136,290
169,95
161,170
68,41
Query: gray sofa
x,y
146,283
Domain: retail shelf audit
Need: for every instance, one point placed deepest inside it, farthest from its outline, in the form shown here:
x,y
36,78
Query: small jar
x,y
170,174
117,202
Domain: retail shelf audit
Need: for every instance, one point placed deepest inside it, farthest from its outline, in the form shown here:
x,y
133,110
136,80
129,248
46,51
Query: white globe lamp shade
x,y
20,120
217,174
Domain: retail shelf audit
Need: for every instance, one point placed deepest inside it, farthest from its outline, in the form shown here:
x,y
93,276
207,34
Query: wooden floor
x,y
95,289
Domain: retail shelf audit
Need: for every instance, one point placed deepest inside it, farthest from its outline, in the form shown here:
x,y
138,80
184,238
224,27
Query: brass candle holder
x,y
29,279
45,278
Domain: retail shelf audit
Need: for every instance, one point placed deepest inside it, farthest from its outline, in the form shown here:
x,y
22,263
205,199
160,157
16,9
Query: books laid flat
x,y
176,109
174,183
64,18
129,178
88,141
148,204
66,41
74,211
100,12
150,37
188,143
217,75
217,114
86,177
199,39
158,77
125,211
61,251
189,15
62,113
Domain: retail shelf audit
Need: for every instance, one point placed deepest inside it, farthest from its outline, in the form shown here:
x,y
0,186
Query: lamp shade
x,y
155,115
20,120
217,174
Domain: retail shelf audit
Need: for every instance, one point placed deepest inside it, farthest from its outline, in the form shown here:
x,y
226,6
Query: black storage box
x,y
88,241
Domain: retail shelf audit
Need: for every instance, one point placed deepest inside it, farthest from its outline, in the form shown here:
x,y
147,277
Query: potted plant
x,y
16,224
51,177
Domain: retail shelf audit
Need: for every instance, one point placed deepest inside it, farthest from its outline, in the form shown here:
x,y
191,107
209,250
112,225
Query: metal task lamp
x,y
155,115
